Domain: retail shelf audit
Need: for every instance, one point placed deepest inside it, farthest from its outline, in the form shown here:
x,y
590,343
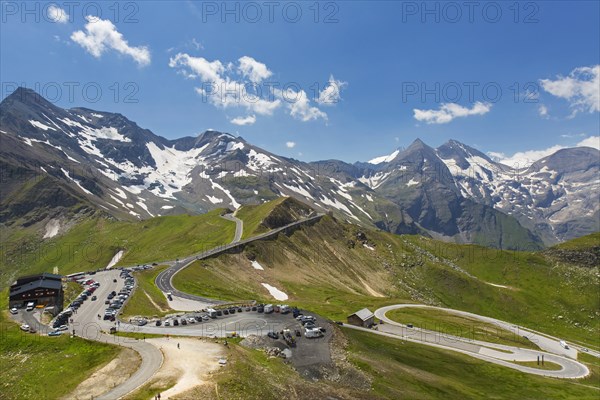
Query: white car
x,y
14,310
192,320
25,327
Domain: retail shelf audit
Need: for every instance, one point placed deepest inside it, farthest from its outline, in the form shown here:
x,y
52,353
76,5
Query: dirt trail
x,y
154,303
189,365
112,374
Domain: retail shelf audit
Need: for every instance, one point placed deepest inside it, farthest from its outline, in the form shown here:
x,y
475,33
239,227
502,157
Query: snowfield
x,y
276,293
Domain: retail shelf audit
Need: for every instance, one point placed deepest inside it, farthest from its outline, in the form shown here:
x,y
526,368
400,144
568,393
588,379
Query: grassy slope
x,y
253,215
414,371
92,243
446,323
318,268
584,242
139,304
33,364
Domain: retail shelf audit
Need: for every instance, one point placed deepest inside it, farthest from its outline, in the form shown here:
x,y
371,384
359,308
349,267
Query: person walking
x,y
178,345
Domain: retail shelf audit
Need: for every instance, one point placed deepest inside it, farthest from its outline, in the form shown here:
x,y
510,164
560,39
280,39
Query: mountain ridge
x,y
451,192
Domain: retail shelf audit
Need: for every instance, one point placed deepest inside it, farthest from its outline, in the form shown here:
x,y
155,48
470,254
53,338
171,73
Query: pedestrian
x,y
159,396
177,345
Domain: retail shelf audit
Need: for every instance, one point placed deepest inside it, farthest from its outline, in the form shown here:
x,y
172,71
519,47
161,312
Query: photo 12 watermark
x,y
61,12
454,12
252,12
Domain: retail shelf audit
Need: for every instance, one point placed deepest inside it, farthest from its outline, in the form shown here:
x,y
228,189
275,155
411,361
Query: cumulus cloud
x,y
299,105
592,141
253,70
242,121
449,111
543,110
523,159
228,85
290,145
331,93
101,35
57,14
581,88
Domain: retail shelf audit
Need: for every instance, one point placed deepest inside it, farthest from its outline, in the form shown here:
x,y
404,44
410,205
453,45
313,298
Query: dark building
x,y
364,318
44,289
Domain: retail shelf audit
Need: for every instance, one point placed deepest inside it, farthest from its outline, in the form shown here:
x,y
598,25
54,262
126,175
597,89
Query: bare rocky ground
x,y
112,374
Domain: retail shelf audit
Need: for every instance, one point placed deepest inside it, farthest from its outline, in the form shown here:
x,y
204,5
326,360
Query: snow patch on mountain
x,y
275,293
39,125
384,159
77,182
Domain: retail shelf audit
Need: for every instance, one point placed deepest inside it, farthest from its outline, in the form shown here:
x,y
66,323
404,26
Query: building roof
x,y
30,278
39,284
364,314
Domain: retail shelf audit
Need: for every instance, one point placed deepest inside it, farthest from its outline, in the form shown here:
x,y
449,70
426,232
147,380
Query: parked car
x,y
273,335
167,323
254,308
25,327
219,313
55,333
158,323
175,322
183,321
94,298
225,312
14,310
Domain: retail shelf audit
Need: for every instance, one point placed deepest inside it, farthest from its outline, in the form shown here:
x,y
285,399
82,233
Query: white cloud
x,y
249,120
227,85
592,141
543,110
102,35
253,70
581,88
57,14
572,135
524,159
221,87
290,145
207,71
299,106
449,111
331,94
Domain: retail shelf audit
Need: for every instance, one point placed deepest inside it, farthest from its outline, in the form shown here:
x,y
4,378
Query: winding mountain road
x,y
164,280
492,352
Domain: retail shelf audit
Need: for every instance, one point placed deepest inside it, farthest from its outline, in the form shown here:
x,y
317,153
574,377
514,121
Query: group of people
x,y
157,397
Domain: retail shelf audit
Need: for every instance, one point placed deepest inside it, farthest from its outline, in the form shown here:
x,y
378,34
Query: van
x,y
30,306
269,308
313,333
211,313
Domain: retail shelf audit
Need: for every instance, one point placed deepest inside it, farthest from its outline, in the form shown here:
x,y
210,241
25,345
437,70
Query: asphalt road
x,y
87,325
491,352
239,226
164,281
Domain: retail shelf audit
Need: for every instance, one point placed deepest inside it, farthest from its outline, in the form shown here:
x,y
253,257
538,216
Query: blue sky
x,y
379,56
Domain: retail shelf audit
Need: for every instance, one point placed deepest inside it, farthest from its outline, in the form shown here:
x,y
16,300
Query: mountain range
x,y
57,163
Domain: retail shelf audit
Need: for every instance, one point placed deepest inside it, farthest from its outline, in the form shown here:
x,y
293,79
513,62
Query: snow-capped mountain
x,y
56,160
555,197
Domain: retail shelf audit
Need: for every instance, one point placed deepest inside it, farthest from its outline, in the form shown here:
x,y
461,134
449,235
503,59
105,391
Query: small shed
x,y
364,318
